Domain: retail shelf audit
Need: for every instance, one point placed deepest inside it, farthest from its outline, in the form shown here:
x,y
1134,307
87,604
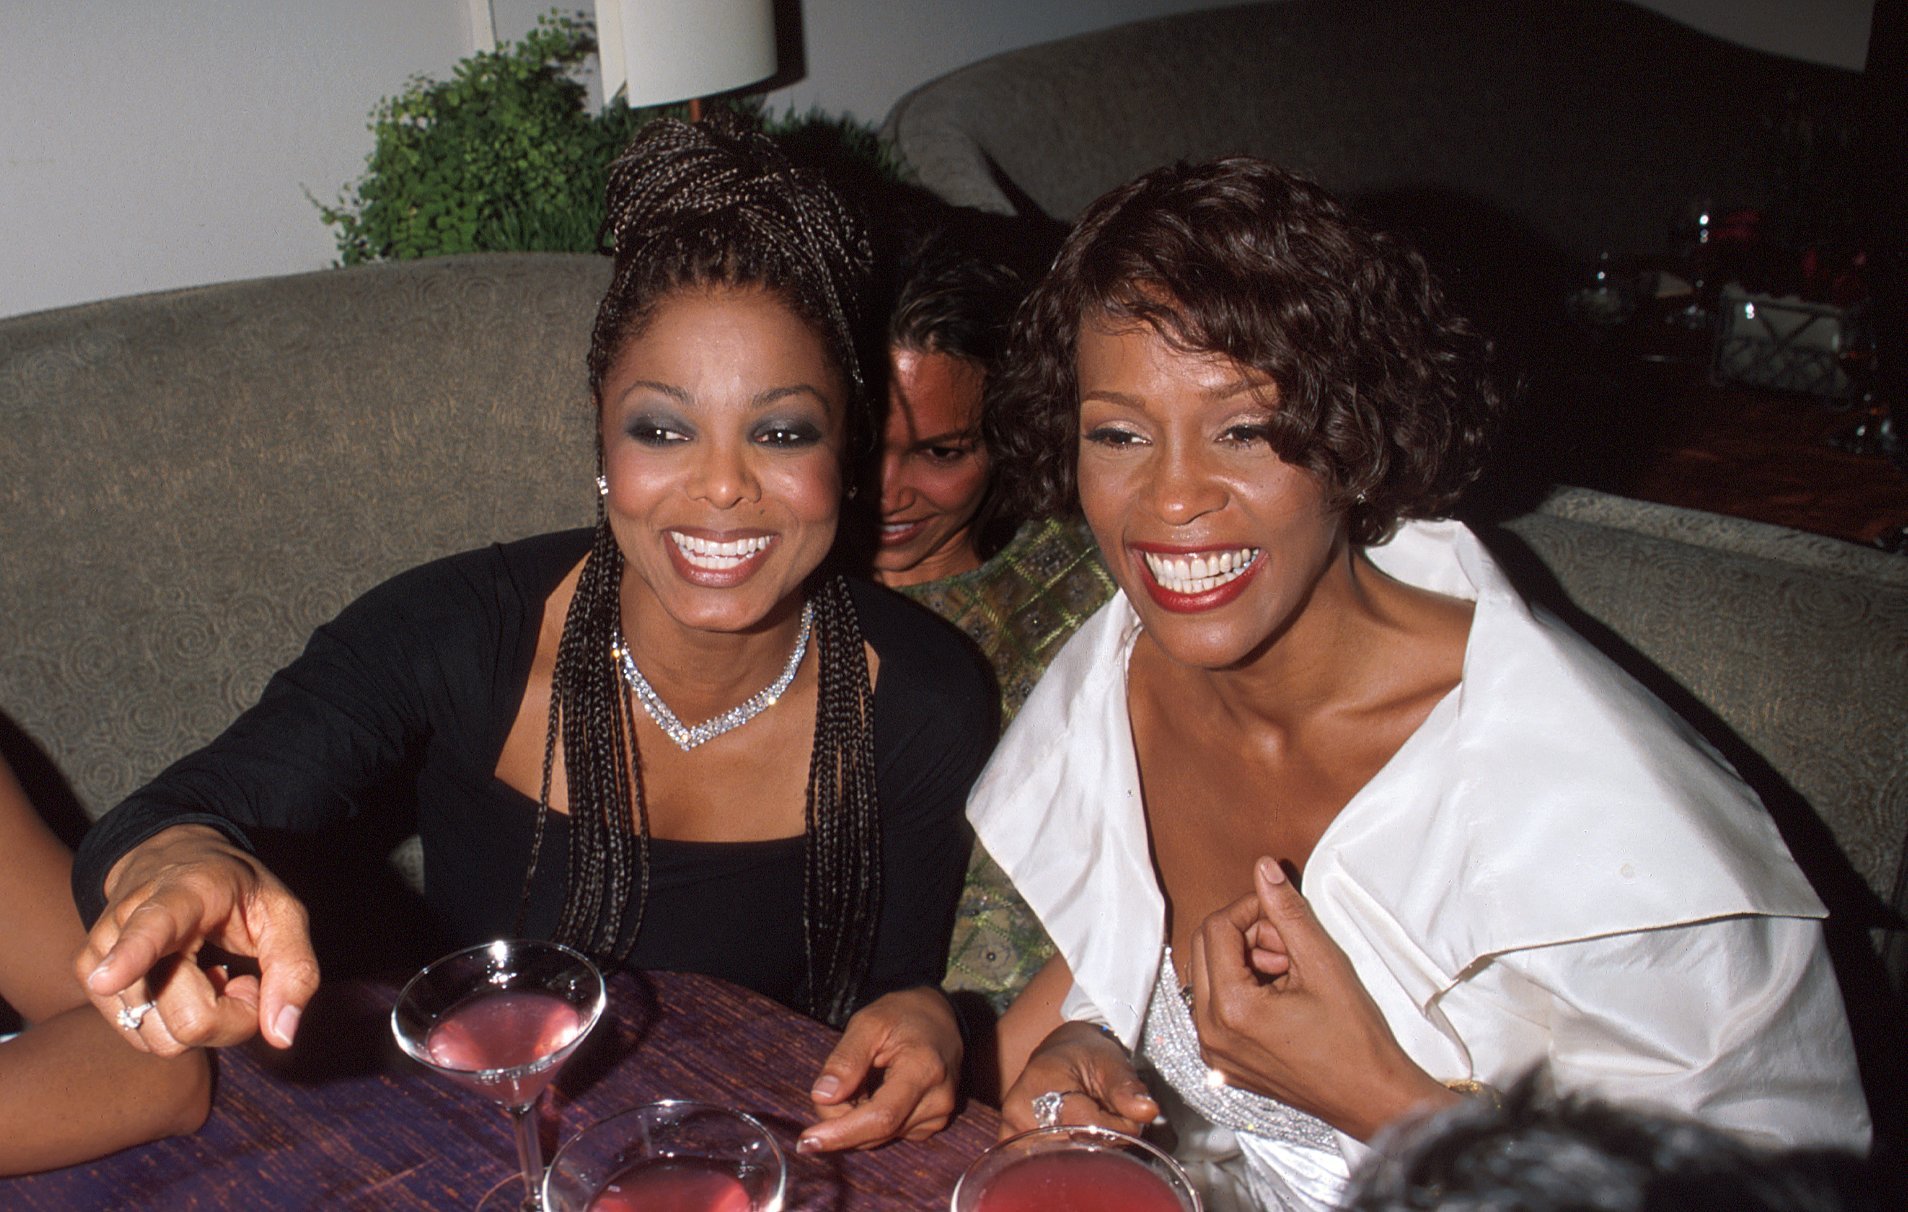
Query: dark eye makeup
x,y
656,429
787,433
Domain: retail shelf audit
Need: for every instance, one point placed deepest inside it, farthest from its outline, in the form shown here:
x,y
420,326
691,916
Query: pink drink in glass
x,y
682,1184
672,1156
500,1019
1078,1180
505,1029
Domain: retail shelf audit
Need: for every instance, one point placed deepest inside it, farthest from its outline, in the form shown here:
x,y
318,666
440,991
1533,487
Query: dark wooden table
x,y
1651,423
1771,457
345,1122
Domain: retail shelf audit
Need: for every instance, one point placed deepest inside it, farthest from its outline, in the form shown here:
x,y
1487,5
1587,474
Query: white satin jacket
x,y
1553,868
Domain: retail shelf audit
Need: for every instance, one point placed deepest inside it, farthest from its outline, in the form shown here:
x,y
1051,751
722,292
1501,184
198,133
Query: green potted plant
x,y
504,156
507,156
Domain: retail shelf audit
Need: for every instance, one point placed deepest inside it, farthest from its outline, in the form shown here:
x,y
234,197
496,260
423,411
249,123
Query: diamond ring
x,y
1046,1107
131,1016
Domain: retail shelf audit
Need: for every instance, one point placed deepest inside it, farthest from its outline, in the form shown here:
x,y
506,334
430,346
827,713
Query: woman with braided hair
x,y
539,700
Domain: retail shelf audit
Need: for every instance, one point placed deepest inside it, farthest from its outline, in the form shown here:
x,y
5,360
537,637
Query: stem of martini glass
x,y
529,1153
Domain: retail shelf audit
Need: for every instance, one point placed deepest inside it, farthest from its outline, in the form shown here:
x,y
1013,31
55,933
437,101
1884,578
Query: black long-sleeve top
x,y
414,687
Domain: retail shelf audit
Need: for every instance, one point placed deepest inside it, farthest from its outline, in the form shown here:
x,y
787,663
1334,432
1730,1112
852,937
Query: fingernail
x,y
807,1144
1271,872
96,973
825,1086
286,1024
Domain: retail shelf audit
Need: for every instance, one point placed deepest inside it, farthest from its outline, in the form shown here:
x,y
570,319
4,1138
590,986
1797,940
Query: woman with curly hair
x,y
1510,853
673,740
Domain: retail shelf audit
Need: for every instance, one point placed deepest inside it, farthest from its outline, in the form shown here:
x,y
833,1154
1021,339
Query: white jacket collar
x,y
1548,782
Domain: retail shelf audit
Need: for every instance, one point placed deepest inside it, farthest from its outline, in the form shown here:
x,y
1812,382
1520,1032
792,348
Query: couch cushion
x,y
191,481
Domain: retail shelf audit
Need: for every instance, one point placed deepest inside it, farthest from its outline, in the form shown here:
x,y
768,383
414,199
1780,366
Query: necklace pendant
x,y
687,737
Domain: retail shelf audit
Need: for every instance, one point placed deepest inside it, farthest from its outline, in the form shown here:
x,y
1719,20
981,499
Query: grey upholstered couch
x,y
191,481
1512,140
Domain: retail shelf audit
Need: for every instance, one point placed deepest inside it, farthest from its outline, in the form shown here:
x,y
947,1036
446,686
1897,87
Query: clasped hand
x,y
1279,1011
169,898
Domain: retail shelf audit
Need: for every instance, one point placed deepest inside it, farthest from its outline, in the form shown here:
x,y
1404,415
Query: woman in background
x,y
1511,854
1018,589
70,1091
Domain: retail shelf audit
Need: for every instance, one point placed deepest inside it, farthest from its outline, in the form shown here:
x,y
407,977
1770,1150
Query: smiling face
x,y
722,428
1218,543
933,468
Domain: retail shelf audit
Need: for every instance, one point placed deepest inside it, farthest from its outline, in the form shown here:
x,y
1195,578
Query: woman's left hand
x,y
1280,1011
894,1074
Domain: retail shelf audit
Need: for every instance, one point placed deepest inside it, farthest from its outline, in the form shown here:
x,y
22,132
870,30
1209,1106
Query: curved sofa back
x,y
191,481
1535,128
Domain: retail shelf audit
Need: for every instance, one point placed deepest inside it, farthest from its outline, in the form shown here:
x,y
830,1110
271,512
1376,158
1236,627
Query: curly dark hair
x,y
1383,392
718,204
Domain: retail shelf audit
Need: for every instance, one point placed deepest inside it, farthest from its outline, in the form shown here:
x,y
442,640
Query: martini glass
x,y
500,1018
1074,1168
668,1157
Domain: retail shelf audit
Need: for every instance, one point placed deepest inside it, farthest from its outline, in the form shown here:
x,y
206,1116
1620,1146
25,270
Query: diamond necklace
x,y
688,738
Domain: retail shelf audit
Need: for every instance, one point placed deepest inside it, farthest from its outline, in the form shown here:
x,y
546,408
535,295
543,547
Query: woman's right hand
x,y
166,899
1092,1071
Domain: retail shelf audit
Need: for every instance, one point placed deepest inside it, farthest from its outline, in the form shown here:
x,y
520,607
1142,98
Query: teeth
x,y
718,557
1200,573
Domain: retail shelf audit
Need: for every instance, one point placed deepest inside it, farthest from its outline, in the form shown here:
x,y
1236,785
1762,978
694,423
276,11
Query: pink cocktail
x,y
669,1157
496,1042
1078,1180
1074,1168
674,1185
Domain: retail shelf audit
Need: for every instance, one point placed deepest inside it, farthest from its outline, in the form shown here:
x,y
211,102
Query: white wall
x,y
153,144
149,144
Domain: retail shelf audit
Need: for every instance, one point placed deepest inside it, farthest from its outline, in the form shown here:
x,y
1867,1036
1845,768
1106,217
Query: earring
x,y
602,486
1357,500
854,490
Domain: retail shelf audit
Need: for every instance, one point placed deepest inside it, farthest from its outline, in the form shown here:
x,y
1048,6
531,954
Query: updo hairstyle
x,y
719,204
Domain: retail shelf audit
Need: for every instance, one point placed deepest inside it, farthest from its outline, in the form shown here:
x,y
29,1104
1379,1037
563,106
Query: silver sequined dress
x,y
1169,1045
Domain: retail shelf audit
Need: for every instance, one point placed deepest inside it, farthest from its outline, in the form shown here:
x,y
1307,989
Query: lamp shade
x,y
659,51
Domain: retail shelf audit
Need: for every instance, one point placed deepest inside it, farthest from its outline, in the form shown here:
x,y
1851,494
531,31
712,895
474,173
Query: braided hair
x,y
718,204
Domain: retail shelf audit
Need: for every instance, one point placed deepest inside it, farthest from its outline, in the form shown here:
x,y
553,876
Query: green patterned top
x,y
1019,607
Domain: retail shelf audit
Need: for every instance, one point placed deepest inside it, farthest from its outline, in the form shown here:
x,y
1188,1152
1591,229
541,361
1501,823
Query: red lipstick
x,y
1191,603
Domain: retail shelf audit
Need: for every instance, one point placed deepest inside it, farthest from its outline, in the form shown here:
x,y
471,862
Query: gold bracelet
x,y
1471,1088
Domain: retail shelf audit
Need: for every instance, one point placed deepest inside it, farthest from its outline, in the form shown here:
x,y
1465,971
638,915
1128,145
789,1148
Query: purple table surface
x,y
345,1121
